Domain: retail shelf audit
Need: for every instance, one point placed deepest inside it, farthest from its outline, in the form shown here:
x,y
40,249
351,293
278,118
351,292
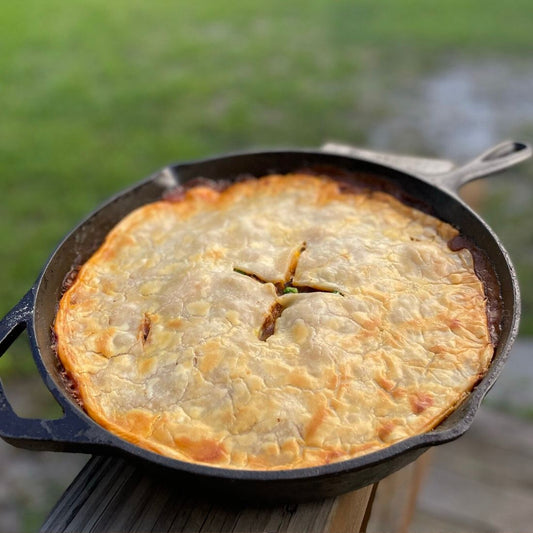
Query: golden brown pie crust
x,y
279,323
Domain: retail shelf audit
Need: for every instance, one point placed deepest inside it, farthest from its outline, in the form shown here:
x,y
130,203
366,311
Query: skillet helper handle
x,y
66,433
14,323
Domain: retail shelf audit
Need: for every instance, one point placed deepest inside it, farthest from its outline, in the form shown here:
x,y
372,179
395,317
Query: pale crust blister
x,y
161,330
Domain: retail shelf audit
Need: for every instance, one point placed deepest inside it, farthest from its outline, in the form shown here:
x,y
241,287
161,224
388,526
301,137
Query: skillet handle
x,y
441,172
495,159
411,164
69,433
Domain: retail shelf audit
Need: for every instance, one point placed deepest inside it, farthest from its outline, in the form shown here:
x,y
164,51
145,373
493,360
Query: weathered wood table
x,y
113,495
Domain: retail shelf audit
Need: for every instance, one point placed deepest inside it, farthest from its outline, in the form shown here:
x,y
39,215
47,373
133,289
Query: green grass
x,y
96,95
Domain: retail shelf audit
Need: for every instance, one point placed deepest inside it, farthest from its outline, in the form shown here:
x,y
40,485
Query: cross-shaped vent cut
x,y
282,287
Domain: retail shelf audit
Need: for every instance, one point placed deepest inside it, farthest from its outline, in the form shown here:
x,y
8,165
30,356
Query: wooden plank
x,y
92,480
111,494
346,514
395,501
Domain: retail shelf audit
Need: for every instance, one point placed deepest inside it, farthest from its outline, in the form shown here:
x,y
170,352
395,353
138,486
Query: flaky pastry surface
x,y
280,323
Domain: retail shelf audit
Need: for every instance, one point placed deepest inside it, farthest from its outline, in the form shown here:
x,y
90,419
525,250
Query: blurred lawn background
x,y
96,95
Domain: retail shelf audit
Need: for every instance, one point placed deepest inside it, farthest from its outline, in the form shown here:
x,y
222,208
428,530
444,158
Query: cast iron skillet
x,y
432,182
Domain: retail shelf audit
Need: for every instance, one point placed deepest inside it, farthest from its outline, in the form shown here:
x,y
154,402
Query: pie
x,y
280,322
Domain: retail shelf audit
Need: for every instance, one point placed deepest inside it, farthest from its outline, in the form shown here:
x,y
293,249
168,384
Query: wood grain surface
x,y
111,494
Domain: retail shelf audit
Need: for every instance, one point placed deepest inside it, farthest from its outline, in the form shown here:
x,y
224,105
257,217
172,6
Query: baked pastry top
x,y
280,323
